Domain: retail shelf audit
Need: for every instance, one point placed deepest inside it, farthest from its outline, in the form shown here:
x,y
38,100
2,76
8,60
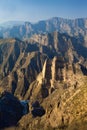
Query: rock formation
x,y
65,104
51,69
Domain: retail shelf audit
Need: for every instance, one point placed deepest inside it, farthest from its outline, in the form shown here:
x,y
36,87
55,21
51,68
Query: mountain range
x,y
23,30
46,64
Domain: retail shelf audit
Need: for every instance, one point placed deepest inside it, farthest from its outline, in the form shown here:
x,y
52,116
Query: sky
x,y
36,10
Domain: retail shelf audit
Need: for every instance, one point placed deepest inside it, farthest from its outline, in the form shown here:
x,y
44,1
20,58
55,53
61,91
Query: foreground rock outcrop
x,y
64,110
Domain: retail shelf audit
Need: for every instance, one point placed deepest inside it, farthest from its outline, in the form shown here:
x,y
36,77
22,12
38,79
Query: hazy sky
x,y
35,10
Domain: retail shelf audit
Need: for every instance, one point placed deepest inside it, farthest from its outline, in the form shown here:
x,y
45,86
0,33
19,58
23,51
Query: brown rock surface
x,y
51,68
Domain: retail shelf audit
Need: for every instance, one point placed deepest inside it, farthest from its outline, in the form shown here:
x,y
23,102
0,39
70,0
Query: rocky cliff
x,y
22,61
61,89
51,69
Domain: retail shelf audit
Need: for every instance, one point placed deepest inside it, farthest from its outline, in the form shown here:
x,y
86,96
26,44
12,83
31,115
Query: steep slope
x,y
51,69
69,114
71,48
63,95
22,61
56,74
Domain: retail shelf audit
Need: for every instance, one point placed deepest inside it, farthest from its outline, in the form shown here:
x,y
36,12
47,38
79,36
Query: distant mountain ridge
x,y
23,30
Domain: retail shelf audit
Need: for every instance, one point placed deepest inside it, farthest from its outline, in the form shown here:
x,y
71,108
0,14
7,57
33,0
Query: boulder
x,y
38,112
37,109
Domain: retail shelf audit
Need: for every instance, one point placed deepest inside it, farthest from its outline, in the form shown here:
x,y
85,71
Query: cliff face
x,y
24,73
56,74
50,68
22,61
56,43
59,89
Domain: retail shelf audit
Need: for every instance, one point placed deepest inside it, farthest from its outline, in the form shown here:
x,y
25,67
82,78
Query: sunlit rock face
x,y
63,95
56,74
47,57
